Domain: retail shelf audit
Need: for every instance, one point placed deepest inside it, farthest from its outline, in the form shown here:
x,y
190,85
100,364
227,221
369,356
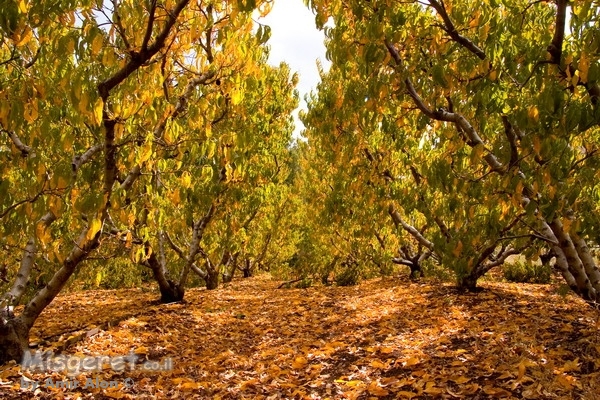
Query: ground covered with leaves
x,y
381,339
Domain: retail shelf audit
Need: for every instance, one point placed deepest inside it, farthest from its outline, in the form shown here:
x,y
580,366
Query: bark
x,y
230,268
398,221
139,58
247,269
170,292
198,271
14,330
45,296
194,249
453,32
212,279
13,297
468,283
575,266
412,260
211,276
561,261
485,263
14,337
20,284
23,148
589,264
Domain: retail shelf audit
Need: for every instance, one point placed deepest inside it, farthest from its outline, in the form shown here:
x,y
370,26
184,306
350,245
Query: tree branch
x,y
22,147
555,47
138,59
150,25
14,295
79,160
410,229
450,29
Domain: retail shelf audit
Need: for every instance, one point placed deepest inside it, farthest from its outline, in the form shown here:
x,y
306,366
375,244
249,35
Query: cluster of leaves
x,y
527,272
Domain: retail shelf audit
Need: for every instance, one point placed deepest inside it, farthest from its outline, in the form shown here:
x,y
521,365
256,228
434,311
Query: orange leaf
x,y
377,390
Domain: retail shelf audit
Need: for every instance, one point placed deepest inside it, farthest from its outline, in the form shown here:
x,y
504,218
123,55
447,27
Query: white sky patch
x,y
296,41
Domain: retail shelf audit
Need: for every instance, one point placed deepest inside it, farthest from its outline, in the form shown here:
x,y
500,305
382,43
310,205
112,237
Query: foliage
x,y
348,277
527,272
477,134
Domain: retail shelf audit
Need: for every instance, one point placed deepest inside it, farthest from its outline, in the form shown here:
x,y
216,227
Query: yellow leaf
x,y
461,379
378,364
406,395
175,197
189,386
95,226
55,205
186,180
84,102
43,234
533,113
571,366
98,108
57,254
496,391
537,145
458,249
97,44
433,390
249,383
377,390
493,74
146,153
236,98
299,362
25,37
128,240
70,46
575,78
31,111
476,153
114,394
22,6
583,66
411,361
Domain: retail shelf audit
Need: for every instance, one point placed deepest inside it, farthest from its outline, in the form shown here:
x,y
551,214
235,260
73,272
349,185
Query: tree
x,y
506,110
87,92
240,160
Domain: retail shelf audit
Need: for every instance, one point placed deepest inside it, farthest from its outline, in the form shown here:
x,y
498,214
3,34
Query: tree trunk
x,y
247,270
574,261
170,292
230,268
468,283
416,271
212,279
14,330
14,337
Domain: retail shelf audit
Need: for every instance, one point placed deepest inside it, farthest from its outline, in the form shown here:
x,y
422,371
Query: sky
x,y
296,40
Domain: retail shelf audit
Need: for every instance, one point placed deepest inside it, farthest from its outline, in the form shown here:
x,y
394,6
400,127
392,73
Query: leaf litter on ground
x,y
384,338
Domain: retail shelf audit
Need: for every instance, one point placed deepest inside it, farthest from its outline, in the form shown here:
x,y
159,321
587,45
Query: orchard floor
x,y
385,338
